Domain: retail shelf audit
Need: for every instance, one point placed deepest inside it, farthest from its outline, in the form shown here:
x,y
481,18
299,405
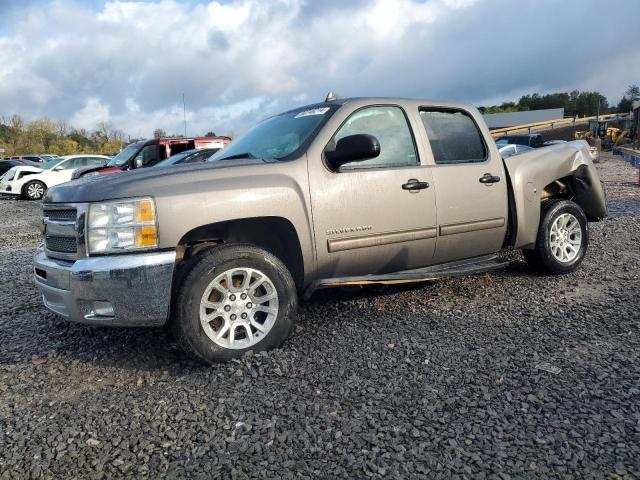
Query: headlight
x,y
122,225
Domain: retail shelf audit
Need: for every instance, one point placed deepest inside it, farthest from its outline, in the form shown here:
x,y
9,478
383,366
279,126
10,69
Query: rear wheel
x,y
34,190
562,241
233,299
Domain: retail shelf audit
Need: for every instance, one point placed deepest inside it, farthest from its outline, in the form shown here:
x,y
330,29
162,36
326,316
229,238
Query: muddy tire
x,y
232,299
562,241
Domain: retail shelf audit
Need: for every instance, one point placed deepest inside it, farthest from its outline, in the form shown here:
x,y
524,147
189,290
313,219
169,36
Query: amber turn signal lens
x,y
144,212
146,237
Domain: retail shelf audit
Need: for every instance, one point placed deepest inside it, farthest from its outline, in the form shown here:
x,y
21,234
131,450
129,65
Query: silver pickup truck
x,y
344,192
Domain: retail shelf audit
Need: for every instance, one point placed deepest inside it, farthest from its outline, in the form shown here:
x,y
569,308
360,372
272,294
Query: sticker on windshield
x,y
313,111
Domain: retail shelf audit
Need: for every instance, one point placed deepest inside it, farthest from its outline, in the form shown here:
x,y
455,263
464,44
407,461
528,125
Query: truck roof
x,y
395,100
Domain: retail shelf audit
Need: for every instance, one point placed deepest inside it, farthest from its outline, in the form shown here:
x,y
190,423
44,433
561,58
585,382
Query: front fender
x,y
19,184
279,191
531,172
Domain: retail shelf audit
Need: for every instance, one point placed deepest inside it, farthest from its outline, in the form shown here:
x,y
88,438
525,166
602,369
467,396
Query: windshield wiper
x,y
238,155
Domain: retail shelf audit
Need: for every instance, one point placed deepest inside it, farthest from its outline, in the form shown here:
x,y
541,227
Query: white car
x,y
510,149
32,182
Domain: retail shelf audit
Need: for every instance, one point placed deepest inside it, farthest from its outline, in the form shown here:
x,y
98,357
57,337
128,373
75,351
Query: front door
x,y
62,172
371,216
470,184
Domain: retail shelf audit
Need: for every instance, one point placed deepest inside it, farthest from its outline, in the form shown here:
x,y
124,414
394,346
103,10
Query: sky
x,y
238,61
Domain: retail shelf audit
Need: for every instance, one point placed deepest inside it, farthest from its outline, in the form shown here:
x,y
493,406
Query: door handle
x,y
488,178
413,185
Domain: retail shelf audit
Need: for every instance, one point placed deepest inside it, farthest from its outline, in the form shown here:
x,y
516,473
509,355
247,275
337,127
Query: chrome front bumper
x,y
136,286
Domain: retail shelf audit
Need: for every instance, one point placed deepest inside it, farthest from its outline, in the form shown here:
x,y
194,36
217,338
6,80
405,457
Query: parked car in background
x,y
30,158
533,140
147,153
49,156
31,182
6,165
511,149
344,192
190,156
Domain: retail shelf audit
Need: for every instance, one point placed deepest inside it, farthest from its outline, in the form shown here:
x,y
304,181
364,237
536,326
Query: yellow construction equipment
x,y
610,136
582,134
617,135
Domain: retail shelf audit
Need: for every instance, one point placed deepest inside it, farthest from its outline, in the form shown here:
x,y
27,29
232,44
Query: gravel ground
x,y
455,379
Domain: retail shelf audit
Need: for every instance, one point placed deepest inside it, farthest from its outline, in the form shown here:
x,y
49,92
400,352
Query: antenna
x,y
331,97
184,115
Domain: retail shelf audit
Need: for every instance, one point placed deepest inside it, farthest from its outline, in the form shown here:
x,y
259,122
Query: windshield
x,y
123,157
277,137
50,164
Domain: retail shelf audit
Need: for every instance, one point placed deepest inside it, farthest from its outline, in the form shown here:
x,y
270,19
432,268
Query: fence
x,y
551,124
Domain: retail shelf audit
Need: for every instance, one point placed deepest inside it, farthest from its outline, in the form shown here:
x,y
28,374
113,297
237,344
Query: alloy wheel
x,y
565,238
35,191
239,308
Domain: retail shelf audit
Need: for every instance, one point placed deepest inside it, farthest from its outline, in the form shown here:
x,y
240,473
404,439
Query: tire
x,y
34,190
562,241
195,324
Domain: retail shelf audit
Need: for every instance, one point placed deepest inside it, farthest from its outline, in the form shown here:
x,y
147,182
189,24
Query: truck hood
x,y
151,181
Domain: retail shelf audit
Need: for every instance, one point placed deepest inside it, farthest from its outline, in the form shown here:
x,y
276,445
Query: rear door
x,y
470,186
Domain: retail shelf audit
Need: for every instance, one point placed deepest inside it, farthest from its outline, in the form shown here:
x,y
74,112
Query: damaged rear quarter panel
x,y
531,172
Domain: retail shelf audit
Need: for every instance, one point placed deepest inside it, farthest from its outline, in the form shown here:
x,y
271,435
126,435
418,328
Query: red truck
x,y
147,153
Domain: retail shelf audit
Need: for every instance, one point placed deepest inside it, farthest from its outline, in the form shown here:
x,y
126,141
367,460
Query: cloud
x,y
238,61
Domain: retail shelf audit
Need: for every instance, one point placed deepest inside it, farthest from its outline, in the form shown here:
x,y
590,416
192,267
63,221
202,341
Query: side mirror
x,y
353,148
57,169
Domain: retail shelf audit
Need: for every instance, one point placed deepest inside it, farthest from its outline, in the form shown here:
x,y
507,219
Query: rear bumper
x,y
137,287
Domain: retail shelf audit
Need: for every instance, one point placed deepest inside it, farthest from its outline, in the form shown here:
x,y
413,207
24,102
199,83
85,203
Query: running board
x,y
451,269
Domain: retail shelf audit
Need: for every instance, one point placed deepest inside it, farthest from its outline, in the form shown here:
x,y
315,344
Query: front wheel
x,y
34,190
234,298
562,241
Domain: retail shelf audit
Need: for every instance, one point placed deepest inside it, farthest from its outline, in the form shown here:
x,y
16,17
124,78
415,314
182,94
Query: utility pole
x,y
184,115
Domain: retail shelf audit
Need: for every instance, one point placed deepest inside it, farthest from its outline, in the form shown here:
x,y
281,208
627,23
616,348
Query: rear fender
x,y
558,171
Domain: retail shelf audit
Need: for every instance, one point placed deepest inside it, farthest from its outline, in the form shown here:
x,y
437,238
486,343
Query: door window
x,y
69,164
90,161
147,156
454,137
389,125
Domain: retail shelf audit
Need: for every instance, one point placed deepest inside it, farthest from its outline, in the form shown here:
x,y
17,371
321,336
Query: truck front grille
x,y
60,231
60,214
61,244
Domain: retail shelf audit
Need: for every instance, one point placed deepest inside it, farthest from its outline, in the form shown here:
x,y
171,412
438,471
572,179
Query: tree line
x,y
19,137
574,103
44,135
